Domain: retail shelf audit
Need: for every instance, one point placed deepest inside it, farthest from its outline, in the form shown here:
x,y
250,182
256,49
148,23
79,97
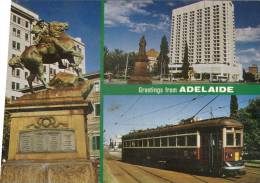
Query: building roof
x,y
152,53
24,11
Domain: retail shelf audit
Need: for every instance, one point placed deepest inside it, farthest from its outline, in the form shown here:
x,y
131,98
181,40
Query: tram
x,y
211,146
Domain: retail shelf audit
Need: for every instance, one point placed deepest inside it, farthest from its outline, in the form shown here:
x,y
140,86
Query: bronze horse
x,y
53,46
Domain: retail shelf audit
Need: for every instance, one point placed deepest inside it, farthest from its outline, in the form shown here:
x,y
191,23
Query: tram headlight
x,y
229,154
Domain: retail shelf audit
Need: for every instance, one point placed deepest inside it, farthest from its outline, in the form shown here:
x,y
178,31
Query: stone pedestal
x,y
48,135
140,75
63,171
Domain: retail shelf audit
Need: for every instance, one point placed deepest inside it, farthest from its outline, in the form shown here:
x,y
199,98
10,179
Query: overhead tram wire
x,y
222,107
184,107
204,106
161,109
131,106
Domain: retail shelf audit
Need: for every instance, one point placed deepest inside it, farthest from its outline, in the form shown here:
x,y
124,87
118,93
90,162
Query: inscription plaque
x,y
47,141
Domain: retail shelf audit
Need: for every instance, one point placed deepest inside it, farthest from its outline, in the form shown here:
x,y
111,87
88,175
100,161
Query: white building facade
x,y
208,28
20,37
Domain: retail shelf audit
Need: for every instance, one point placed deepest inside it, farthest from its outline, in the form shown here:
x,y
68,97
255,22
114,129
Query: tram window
x,y
150,142
181,141
157,142
145,143
139,143
172,141
238,139
136,143
230,139
191,140
164,141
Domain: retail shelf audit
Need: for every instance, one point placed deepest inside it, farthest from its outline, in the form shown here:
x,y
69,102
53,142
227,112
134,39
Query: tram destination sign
x,y
39,141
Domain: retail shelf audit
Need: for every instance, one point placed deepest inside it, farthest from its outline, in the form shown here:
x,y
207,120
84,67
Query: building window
x,y
18,33
14,18
17,73
97,109
13,97
14,31
13,85
26,36
19,20
16,45
95,143
26,75
17,86
26,24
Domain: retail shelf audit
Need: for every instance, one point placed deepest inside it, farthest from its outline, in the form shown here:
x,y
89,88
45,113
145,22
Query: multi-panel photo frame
x,y
130,91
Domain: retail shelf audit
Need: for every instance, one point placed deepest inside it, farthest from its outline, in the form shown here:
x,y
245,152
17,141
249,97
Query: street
x,y
116,171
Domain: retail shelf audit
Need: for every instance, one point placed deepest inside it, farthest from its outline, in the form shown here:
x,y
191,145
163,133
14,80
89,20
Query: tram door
x,y
210,150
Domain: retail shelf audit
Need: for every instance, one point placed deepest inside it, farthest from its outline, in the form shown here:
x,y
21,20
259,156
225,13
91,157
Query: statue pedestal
x,y
63,171
48,135
140,75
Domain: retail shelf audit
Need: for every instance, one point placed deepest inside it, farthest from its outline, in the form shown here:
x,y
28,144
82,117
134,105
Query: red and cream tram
x,y
213,146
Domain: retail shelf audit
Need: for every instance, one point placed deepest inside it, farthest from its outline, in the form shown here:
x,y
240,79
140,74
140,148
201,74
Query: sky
x,y
152,18
83,18
125,113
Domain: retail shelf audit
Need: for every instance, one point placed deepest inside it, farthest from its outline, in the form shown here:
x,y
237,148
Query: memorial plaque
x,y
68,141
26,142
54,139
47,141
39,144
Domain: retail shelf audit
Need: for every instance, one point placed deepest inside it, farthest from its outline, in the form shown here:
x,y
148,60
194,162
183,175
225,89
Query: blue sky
x,y
125,113
152,18
83,18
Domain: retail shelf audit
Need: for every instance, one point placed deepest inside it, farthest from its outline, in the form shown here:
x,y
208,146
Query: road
x,y
119,172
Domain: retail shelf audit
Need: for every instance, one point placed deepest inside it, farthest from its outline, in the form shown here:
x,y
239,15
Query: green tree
x,y
185,63
163,59
233,106
115,62
250,117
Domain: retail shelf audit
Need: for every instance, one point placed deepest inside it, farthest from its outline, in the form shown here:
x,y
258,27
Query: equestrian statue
x,y
51,45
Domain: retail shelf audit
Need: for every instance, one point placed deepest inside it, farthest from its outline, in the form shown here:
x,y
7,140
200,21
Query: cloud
x,y
249,34
249,56
119,13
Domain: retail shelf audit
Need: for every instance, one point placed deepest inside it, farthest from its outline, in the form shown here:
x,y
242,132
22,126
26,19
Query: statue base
x,y
70,171
140,75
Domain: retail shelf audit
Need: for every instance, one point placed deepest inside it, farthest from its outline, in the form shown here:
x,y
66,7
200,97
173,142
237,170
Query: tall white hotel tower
x,y
209,31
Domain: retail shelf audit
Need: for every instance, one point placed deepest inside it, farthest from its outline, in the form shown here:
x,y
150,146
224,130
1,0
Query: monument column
x,y
140,75
48,136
